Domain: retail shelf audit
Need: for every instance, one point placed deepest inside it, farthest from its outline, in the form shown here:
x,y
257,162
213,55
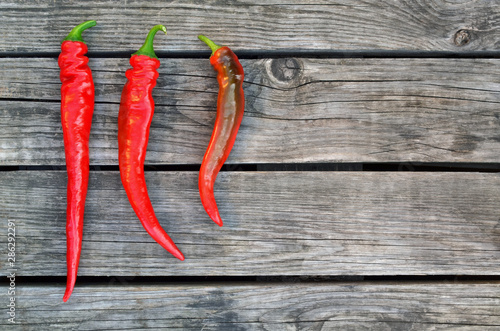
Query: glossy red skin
x,y
230,107
134,120
77,108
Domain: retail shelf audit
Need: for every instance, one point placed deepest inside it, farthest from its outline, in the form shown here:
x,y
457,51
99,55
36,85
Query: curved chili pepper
x,y
134,120
230,107
77,108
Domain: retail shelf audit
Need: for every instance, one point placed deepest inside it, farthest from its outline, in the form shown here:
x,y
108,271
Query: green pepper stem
x,y
213,46
76,33
147,48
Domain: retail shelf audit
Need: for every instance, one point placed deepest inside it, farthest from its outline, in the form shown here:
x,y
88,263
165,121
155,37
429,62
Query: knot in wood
x,y
462,37
285,70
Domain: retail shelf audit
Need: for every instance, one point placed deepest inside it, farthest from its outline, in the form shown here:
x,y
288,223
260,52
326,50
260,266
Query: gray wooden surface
x,y
267,306
269,26
297,110
403,94
275,223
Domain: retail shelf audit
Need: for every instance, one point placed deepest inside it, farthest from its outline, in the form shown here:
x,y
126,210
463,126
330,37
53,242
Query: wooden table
x,y
362,193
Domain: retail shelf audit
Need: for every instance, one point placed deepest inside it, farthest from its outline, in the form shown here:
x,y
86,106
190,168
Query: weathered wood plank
x,y
276,223
297,110
423,25
298,306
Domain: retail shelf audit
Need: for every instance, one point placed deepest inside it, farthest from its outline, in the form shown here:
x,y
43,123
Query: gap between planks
x,y
295,53
373,167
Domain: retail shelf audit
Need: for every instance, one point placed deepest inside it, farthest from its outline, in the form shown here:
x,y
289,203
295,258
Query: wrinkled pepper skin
x,y
230,108
77,107
134,120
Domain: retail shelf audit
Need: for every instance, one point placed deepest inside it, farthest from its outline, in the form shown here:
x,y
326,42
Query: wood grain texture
x,y
298,306
297,110
347,25
313,102
275,223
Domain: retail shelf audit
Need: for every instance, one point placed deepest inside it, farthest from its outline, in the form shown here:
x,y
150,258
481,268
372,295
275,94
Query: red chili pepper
x,y
230,107
134,120
77,107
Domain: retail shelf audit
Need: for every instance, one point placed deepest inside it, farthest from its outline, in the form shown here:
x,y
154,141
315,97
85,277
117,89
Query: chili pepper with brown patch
x,y
230,107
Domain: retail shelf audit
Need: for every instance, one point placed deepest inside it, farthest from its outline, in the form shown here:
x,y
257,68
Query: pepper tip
x,y
67,294
217,219
180,256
